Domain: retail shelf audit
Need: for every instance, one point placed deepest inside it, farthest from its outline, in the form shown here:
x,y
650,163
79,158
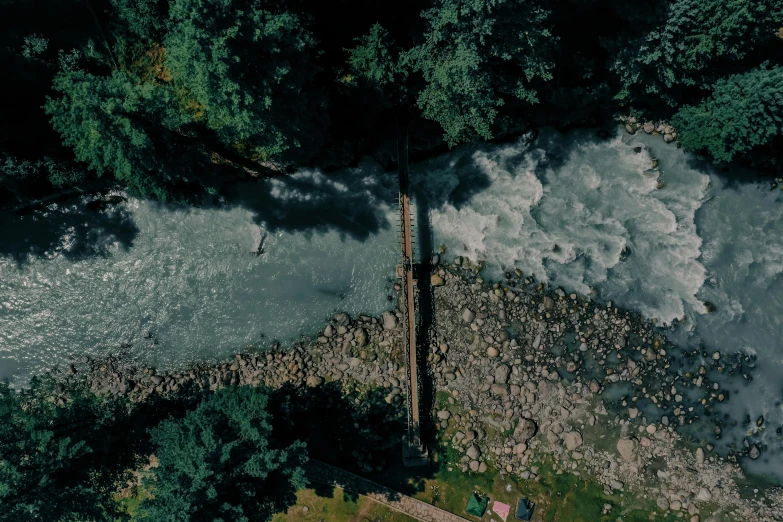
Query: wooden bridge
x,y
413,451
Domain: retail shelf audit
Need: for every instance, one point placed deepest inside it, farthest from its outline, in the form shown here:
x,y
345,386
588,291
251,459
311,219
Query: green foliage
x,y
110,121
697,43
376,58
246,69
143,18
47,469
221,462
745,111
477,55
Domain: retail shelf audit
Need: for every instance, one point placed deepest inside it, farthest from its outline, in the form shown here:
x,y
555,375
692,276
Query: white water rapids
x,y
562,208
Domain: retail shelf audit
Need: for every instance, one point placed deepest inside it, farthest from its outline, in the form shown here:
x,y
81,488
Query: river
x,y
171,284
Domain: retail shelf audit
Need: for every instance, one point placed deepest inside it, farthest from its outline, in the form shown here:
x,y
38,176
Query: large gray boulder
x,y
572,439
501,374
627,448
525,430
389,321
473,452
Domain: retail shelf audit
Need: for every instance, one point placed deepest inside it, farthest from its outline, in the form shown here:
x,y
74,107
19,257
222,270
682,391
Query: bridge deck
x,y
414,453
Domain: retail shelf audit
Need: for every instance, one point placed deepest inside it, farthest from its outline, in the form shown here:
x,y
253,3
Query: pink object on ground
x,y
501,509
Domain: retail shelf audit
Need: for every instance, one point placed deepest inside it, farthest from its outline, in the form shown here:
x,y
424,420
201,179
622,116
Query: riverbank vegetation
x,y
171,99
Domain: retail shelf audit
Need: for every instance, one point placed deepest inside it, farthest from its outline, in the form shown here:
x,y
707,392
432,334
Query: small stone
x,y
342,319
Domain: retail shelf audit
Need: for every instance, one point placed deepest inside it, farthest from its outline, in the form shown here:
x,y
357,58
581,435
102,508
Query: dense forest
x,y
170,99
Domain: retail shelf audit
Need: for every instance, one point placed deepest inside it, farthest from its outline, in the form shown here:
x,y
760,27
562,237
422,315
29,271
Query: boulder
x,y
360,336
328,331
501,374
314,380
627,448
662,503
549,303
704,495
572,439
342,319
525,430
444,415
492,352
468,315
436,280
500,389
389,321
473,452
474,465
754,452
699,456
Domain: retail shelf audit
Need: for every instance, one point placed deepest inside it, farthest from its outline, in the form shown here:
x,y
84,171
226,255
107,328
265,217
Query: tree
x,y
698,42
247,68
476,56
221,462
376,59
48,467
114,123
744,112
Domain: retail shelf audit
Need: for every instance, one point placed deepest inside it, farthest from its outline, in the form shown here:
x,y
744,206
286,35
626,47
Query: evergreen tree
x,y
115,124
744,113
49,469
476,56
246,68
221,463
697,42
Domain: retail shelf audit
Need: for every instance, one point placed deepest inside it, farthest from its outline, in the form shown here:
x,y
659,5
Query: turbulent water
x,y
573,210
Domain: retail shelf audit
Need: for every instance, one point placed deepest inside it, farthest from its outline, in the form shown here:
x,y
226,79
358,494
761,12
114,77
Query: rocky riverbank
x,y
523,376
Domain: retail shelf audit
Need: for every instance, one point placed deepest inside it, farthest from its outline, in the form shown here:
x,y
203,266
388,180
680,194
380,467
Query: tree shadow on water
x,y
76,231
350,201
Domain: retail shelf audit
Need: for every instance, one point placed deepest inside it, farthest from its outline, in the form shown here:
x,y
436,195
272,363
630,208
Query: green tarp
x,y
525,510
477,505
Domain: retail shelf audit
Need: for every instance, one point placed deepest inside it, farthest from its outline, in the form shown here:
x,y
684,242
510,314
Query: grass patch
x,y
338,506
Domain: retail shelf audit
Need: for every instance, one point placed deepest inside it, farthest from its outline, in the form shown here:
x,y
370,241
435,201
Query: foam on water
x,y
565,210
569,209
565,207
